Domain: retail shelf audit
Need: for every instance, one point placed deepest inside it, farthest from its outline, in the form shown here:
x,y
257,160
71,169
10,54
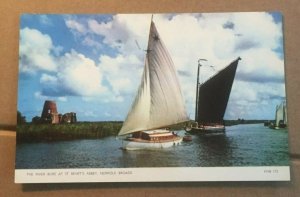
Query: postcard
x,y
151,98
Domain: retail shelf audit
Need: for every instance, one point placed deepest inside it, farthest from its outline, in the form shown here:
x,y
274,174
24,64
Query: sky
x,y
92,64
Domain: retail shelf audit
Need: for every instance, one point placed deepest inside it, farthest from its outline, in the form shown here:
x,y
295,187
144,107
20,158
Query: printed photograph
x,y
164,92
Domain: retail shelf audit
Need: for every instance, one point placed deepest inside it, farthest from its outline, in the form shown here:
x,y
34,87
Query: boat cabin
x,y
155,135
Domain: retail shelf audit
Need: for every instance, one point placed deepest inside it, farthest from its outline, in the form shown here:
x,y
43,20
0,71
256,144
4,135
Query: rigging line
x,y
137,44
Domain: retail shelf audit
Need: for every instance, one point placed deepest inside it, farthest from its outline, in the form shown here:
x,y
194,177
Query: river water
x,y
241,145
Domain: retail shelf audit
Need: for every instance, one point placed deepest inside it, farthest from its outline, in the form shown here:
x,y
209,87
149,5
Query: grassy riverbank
x,y
55,132
29,132
242,121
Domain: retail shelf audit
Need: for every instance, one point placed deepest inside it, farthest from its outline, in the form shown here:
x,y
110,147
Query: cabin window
x,y
145,136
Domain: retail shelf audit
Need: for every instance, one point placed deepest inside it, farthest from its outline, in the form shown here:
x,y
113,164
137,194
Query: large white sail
x,y
280,114
159,102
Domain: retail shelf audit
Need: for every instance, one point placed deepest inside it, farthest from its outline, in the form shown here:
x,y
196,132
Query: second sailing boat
x,y
211,101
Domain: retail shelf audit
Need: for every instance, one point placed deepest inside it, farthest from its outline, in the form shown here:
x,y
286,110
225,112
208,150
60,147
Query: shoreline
x,y
32,133
35,133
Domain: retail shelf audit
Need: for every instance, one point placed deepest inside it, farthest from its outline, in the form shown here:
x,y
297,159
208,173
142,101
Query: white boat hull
x,y
144,144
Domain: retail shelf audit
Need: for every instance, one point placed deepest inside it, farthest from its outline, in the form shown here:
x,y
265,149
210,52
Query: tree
x,y
20,119
36,120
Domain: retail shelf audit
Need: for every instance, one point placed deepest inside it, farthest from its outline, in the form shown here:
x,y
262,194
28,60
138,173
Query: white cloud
x,y
207,37
48,79
76,26
257,28
71,73
254,100
40,96
122,31
57,50
113,98
122,72
62,99
91,42
35,51
45,20
79,75
261,65
219,38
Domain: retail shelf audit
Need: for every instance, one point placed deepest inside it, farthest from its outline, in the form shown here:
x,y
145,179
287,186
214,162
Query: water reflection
x,y
149,158
215,148
241,145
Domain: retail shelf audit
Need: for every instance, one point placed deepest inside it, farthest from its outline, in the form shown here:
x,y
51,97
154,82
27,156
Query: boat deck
x,y
175,138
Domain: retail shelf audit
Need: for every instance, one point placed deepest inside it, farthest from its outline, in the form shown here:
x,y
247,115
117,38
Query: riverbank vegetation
x,y
242,121
54,132
29,132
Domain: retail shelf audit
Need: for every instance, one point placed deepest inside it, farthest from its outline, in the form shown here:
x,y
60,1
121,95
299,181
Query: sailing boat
x,y
158,103
211,101
280,116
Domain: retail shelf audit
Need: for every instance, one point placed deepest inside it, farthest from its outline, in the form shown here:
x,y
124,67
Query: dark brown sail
x,y
213,95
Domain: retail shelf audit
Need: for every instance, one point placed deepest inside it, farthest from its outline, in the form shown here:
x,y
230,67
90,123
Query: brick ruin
x,y
50,115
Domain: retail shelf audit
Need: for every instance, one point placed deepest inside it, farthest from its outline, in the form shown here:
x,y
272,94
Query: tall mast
x,y
197,88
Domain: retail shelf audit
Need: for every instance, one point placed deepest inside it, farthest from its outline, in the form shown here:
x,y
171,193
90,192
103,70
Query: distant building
x,y
69,118
50,115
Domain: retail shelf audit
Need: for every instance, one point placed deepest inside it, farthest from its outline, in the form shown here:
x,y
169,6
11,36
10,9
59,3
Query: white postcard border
x,y
174,174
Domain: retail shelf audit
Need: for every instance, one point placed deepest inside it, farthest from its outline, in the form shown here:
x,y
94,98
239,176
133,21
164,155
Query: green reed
x,y
54,132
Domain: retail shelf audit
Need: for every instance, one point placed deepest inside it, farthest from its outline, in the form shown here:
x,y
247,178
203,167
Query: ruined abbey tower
x,y
49,113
